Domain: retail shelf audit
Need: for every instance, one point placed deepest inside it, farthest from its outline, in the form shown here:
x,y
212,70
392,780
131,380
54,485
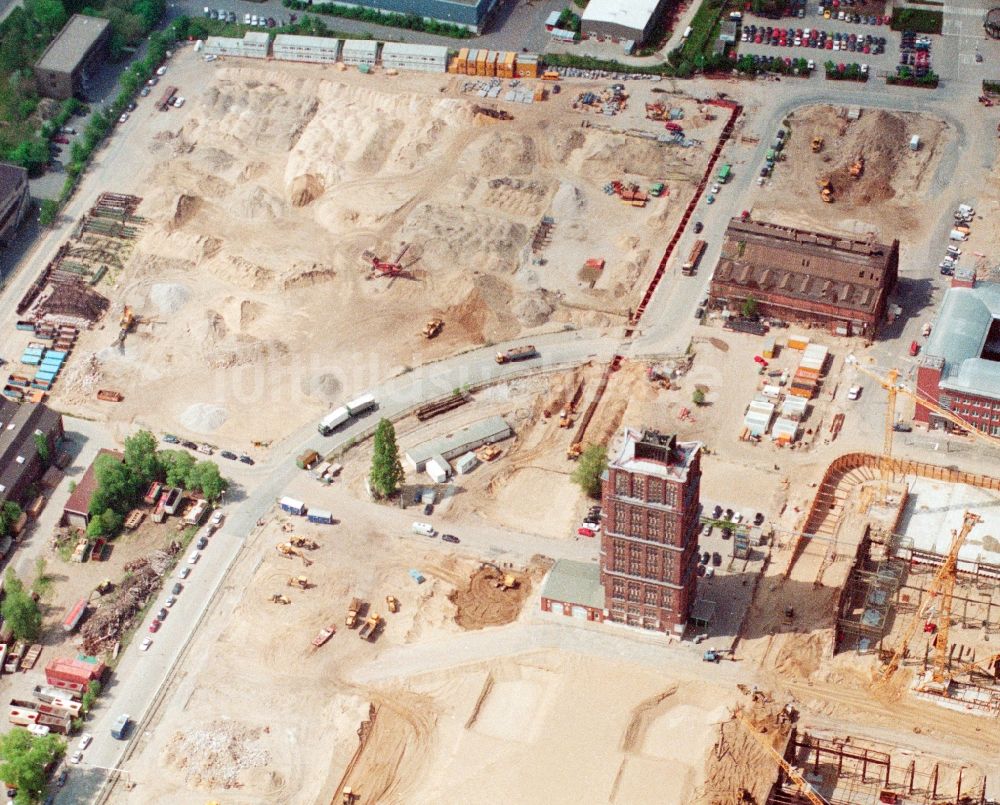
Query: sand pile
x,y
325,387
169,297
204,417
185,209
306,189
568,202
214,757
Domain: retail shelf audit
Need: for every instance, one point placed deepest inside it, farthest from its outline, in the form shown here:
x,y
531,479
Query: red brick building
x,y
839,282
650,496
960,366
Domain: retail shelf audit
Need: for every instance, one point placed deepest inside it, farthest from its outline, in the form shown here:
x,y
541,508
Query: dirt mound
x,y
534,310
169,297
326,387
204,417
185,209
306,189
306,278
481,603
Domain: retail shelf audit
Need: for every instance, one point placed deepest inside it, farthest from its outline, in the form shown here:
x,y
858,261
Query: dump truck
x,y
825,190
324,634
352,613
817,144
517,354
370,627
697,250
433,327
298,581
392,602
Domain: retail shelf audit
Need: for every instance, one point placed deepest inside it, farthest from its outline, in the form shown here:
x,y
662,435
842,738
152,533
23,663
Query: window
x,y
619,563
654,521
652,599
633,592
618,588
654,490
670,494
622,484
635,523
637,486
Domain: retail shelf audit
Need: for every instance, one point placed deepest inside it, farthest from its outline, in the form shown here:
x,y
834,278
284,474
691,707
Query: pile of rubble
x,y
104,628
215,756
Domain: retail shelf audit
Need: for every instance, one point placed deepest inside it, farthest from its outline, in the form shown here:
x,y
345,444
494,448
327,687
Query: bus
x,y
724,173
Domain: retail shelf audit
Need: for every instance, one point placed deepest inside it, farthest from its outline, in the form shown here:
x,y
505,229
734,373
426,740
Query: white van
x,y
424,529
956,235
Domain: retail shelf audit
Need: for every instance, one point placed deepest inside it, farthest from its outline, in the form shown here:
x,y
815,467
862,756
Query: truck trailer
x,y
692,262
517,354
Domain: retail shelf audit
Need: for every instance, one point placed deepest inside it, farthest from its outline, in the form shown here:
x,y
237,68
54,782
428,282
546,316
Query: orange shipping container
x,y
509,64
470,65
491,63
481,62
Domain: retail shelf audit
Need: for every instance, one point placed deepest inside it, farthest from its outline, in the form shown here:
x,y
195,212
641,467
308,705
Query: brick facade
x,y
650,497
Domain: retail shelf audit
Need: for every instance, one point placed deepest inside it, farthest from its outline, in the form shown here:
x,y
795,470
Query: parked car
x,y
61,139
161,70
144,646
698,226
227,454
217,517
902,427
184,572
76,757
144,92
758,518
202,543
245,459
193,557
717,559
171,600
429,509
123,118
169,438
177,588
189,445
84,741
154,625
585,532
161,615
61,779
450,538
854,392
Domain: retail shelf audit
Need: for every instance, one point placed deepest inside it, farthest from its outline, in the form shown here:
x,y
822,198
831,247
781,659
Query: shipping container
x,y
292,506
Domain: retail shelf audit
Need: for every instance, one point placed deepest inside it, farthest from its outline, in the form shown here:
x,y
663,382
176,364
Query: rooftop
x,y
72,43
79,501
575,583
12,177
845,271
296,40
963,328
256,37
492,428
653,453
407,49
18,425
629,13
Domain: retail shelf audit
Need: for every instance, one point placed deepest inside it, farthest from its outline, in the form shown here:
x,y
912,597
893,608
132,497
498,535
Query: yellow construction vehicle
x,y
286,549
488,452
392,602
565,419
278,598
574,450
507,581
817,144
857,168
805,789
304,542
299,581
348,796
825,189
433,327
352,613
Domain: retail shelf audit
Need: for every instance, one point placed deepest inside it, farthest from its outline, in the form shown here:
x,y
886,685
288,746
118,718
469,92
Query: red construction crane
x,y
382,268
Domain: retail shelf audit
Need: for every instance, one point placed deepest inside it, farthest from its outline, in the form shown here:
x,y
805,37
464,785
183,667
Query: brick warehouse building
x,y
838,282
650,497
960,366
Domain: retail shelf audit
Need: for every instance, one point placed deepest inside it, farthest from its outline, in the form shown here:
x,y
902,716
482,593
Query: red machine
x,y
382,268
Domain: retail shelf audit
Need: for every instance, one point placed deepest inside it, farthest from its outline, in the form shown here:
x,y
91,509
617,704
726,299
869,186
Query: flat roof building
x,y
423,58
649,543
321,49
840,282
471,14
960,367
15,200
574,589
20,464
622,19
70,59
486,431
360,51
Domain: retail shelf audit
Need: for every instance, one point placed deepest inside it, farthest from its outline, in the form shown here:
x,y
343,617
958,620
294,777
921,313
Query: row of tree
x,y
121,484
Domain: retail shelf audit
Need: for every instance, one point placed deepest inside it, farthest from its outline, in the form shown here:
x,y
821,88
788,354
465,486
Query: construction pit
x,y
888,197
267,199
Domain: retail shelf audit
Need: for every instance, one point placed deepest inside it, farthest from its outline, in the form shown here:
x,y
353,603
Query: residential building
x,y
839,282
960,365
76,512
15,200
634,20
21,466
650,497
72,57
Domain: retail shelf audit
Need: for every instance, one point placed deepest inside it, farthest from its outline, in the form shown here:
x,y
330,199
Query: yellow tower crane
x,y
942,585
803,785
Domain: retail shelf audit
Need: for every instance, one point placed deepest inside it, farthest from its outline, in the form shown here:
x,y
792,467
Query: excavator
x,y
286,549
299,581
825,189
304,542
857,168
278,598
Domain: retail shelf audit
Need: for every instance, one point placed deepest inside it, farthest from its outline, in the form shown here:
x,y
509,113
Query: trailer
x,y
691,264
320,516
172,501
292,506
334,420
517,354
362,404
73,617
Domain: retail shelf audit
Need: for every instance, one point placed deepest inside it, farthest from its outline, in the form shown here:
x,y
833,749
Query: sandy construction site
x,y
267,196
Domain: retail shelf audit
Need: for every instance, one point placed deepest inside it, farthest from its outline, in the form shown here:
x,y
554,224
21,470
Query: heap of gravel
x,y
204,417
169,297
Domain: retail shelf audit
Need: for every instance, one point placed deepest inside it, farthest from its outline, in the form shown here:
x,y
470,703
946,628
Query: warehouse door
x,y
579,612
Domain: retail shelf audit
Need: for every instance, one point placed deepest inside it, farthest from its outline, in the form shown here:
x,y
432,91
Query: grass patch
x,y
919,20
608,65
409,22
927,3
697,48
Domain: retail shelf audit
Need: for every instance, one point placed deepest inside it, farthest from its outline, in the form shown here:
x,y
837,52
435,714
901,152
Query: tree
x,y
51,14
116,486
178,466
141,458
10,513
24,759
698,398
42,585
749,308
42,446
205,476
387,471
48,211
592,462
19,609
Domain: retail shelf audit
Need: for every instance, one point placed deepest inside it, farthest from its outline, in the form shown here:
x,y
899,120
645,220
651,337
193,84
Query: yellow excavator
x,y
825,189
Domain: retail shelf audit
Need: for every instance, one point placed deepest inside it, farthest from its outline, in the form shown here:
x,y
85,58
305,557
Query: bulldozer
x,y
304,542
278,598
507,581
574,451
433,327
299,581
825,189
392,602
857,168
817,144
565,418
285,549
348,797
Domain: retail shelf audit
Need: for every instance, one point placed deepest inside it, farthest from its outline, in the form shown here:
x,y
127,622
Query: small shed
x,y
438,469
320,516
467,463
292,506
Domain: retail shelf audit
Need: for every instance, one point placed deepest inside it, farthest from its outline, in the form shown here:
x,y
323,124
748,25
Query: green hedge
x,y
411,22
918,20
